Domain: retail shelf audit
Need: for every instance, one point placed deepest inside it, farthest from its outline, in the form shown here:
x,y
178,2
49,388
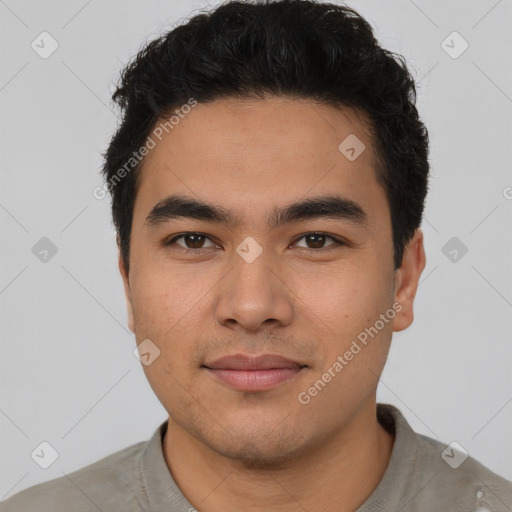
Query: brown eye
x,y
317,241
194,241
191,241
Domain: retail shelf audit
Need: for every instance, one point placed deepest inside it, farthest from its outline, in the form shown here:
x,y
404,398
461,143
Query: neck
x,y
338,475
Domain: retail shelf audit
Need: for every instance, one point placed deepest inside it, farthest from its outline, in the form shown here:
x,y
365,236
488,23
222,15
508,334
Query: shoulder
x,y
426,474
111,483
451,476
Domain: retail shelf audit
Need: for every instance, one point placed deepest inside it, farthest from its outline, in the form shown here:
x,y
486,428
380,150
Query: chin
x,y
259,455
258,446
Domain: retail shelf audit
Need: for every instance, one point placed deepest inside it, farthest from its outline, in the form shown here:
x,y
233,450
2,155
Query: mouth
x,y
254,373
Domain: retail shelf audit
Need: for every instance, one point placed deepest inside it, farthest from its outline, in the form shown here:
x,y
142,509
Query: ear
x,y
407,279
127,291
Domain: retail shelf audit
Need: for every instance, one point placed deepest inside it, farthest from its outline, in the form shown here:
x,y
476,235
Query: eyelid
x,y
172,240
337,241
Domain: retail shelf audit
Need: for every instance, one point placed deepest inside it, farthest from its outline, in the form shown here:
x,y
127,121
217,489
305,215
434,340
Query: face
x,y
247,273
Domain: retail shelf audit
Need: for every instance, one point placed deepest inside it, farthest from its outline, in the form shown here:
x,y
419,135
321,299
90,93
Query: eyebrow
x,y
322,207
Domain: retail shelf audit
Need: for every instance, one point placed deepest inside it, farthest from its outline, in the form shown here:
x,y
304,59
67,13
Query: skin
x,y
233,450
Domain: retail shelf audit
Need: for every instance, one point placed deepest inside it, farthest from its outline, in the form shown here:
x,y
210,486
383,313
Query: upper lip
x,y
247,362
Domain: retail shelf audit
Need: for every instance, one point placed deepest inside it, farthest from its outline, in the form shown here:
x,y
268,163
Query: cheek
x,y
345,300
170,308
163,310
164,296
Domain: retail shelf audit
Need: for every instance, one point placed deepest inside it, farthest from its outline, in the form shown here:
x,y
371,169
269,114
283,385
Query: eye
x,y
195,242
191,241
317,241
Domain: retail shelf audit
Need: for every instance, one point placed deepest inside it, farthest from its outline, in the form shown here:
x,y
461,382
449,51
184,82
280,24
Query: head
x,y
285,141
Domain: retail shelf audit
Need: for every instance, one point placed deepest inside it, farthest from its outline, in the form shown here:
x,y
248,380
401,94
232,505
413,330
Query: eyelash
x,y
171,242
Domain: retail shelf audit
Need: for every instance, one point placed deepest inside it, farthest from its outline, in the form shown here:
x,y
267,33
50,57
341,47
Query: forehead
x,y
249,153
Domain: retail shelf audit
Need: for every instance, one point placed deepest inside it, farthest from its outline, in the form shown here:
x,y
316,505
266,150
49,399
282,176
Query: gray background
x,y
68,374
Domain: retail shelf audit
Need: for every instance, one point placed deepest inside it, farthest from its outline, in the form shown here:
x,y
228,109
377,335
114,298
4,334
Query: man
x,y
268,182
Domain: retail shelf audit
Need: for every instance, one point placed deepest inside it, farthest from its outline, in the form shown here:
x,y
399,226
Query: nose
x,y
254,295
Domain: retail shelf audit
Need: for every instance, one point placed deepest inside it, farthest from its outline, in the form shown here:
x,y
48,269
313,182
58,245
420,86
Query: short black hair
x,y
298,49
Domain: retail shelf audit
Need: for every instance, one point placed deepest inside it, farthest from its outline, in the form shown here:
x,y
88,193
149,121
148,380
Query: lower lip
x,y
254,380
